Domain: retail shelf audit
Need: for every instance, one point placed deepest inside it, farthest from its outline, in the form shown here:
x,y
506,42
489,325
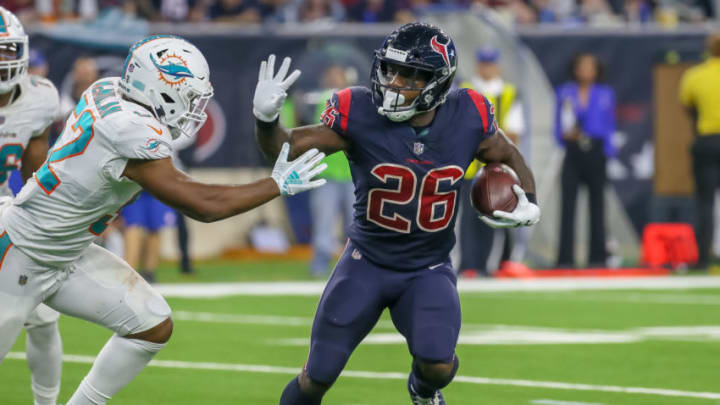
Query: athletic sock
x,y
44,357
117,364
293,395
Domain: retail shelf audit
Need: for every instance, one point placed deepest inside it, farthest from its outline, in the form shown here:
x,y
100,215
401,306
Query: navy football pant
x,y
424,306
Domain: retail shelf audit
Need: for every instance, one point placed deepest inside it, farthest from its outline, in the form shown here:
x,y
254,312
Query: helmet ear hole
x,y
167,98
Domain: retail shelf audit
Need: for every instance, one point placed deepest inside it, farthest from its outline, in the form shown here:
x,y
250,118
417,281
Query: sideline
x,y
315,288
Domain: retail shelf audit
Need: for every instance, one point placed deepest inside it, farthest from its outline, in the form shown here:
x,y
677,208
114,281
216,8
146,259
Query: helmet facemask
x,y
13,62
193,117
391,80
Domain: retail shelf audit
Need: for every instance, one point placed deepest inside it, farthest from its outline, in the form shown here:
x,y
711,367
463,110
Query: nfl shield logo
x,y
22,280
418,148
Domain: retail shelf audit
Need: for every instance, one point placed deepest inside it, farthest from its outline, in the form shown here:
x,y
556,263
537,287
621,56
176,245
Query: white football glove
x,y
297,176
524,214
270,92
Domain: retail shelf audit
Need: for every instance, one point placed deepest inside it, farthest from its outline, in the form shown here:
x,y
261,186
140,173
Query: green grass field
x,y
593,345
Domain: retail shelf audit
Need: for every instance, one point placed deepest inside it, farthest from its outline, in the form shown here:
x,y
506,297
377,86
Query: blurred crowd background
x,y
587,89
516,12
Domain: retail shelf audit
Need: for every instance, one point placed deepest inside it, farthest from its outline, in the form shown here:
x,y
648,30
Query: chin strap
x,y
391,100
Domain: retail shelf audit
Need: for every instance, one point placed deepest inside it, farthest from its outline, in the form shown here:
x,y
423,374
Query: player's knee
x,y
159,333
438,375
42,333
311,387
326,361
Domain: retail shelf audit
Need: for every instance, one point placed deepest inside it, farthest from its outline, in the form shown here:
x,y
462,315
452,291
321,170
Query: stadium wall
x,y
539,62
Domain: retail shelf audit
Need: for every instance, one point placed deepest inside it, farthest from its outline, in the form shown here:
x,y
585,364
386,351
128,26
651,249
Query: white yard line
x,y
643,298
555,402
315,288
189,365
476,333
246,319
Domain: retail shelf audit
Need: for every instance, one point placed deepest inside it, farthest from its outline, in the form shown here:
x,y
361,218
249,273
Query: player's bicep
x,y
317,136
163,180
496,148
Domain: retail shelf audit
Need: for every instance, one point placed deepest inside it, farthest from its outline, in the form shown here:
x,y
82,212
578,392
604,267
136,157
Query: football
x,y
492,189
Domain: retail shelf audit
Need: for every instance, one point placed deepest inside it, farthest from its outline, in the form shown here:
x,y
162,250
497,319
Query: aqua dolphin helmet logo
x,y
172,69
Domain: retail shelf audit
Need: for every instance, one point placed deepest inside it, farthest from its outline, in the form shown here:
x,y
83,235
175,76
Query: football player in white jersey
x,y
28,106
117,141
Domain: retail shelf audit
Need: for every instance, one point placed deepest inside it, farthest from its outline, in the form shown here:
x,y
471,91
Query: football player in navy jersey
x,y
408,139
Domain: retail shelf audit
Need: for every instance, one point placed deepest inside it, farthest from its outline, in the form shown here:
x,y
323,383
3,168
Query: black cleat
x,y
436,399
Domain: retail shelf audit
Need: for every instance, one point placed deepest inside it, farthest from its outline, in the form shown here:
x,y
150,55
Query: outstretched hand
x,y
297,176
271,89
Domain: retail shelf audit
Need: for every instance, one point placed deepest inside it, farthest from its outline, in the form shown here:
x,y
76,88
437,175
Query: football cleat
x,y
436,399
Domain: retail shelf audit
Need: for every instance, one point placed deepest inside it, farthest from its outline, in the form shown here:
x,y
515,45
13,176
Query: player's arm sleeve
x,y
141,140
486,112
337,112
49,109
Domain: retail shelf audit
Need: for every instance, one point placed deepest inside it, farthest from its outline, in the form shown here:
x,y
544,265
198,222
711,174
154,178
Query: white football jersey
x,y
81,187
34,109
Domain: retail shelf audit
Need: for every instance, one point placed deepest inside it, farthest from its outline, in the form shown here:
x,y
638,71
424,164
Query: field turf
x,y
553,348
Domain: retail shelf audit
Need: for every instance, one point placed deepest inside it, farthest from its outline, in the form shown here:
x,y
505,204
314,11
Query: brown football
x,y
492,189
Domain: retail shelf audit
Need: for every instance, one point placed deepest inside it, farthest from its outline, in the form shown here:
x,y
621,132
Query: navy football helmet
x,y
424,58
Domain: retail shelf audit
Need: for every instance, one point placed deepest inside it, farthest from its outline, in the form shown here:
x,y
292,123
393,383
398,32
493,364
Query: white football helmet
x,y
13,51
171,76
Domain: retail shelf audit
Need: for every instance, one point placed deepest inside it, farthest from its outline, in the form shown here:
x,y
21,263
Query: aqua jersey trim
x,y
5,244
3,26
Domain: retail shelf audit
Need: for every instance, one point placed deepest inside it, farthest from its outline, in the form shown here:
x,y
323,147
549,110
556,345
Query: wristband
x,y
266,125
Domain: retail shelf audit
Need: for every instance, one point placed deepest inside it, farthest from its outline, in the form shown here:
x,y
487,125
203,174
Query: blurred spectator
x,y
478,241
84,73
693,11
37,63
171,10
144,219
637,11
700,94
275,11
331,205
584,124
319,10
511,11
183,233
25,10
244,11
372,11
544,11
598,12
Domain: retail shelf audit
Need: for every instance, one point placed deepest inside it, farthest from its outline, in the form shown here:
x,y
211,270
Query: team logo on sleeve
x,y
441,49
152,144
172,69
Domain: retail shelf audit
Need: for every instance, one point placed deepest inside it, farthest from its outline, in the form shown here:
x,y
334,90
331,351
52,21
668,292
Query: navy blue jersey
x,y
407,180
